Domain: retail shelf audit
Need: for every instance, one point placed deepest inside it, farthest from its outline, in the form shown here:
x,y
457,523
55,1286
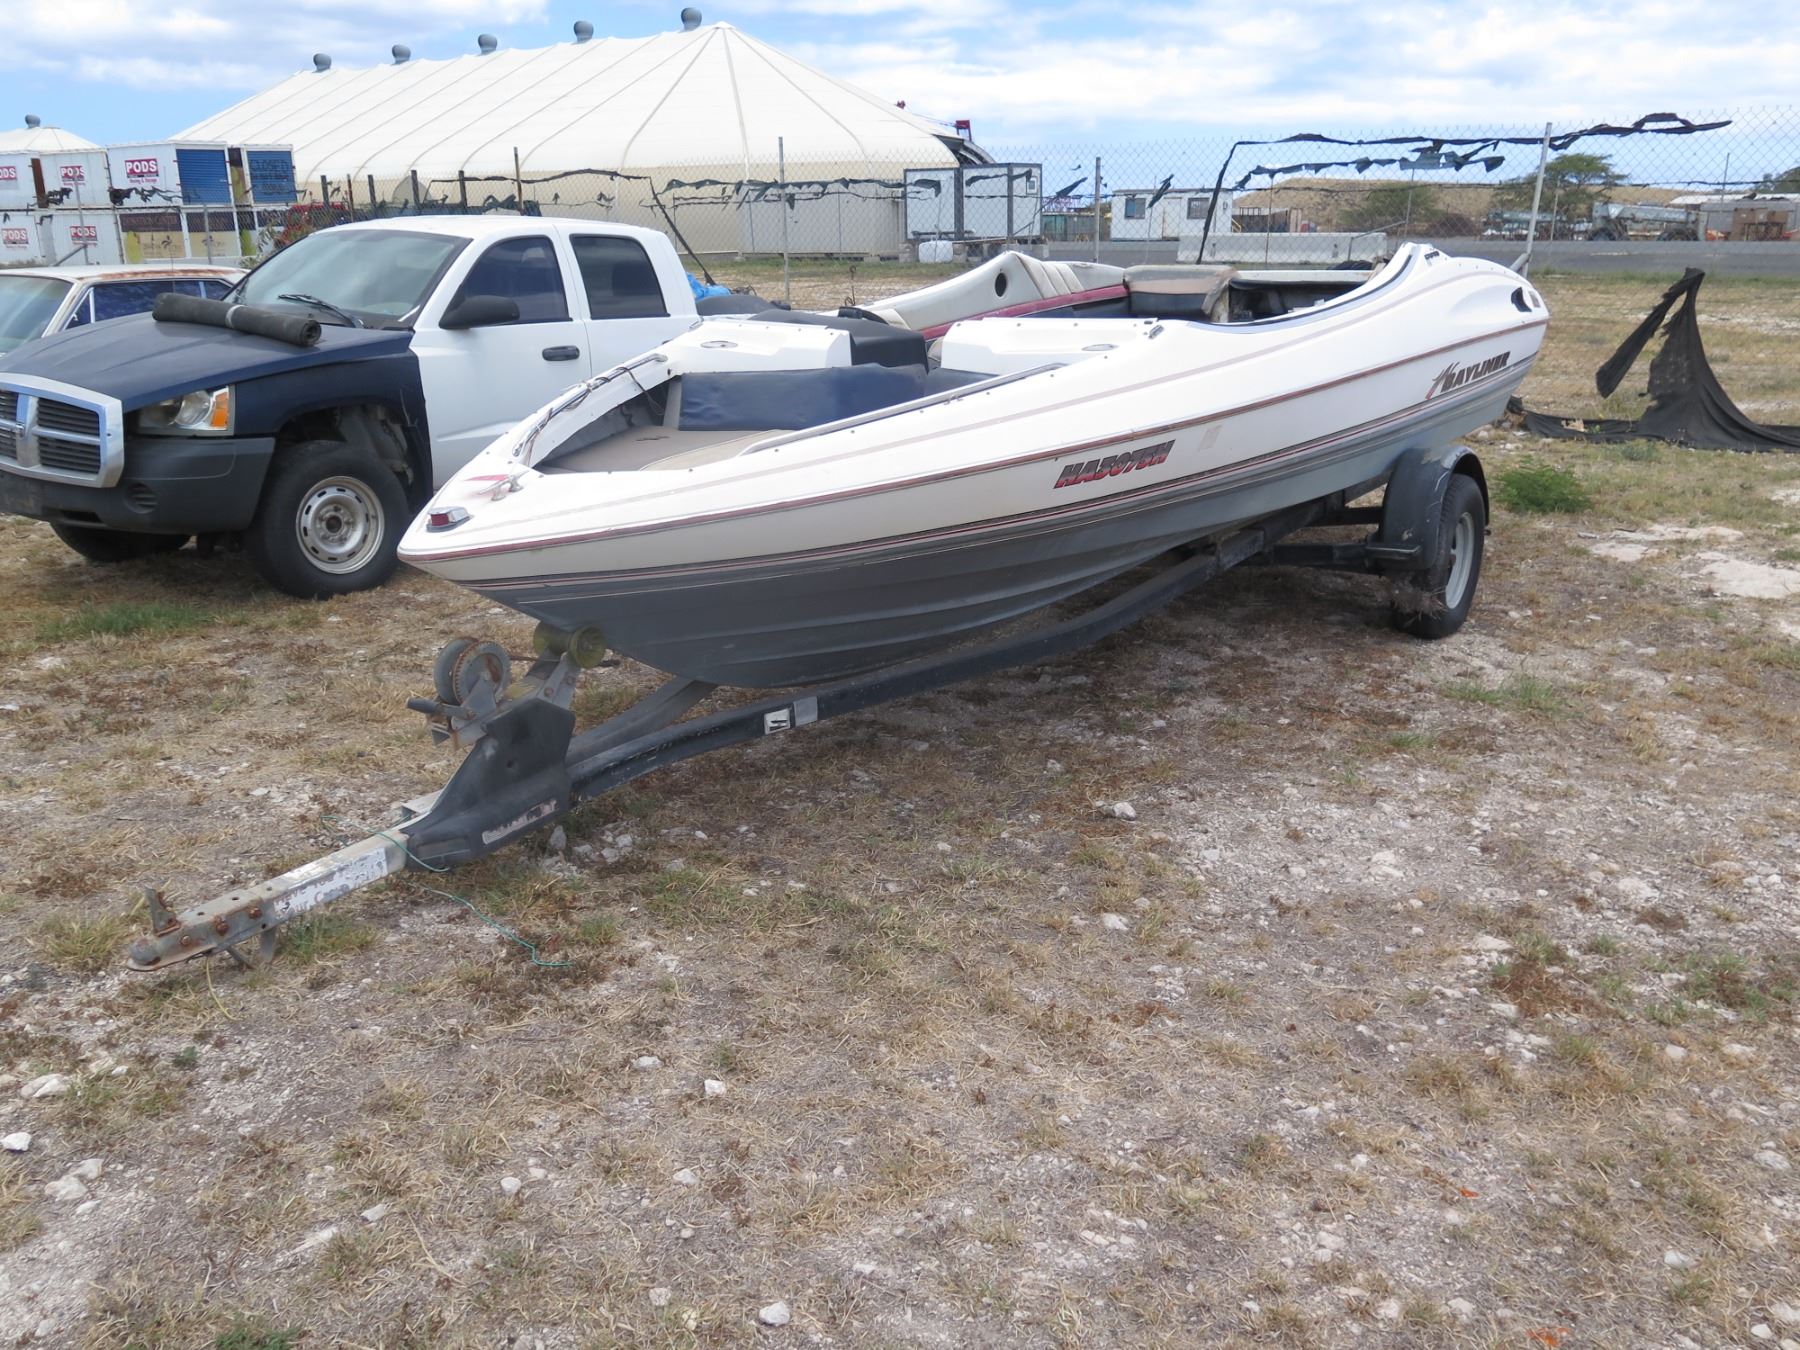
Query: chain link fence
x,y
1306,201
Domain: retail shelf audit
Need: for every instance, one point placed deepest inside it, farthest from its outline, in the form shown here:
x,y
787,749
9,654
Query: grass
x,y
1542,489
105,1110
258,1334
321,935
1535,978
19,1220
1519,692
127,618
88,945
907,1034
1726,980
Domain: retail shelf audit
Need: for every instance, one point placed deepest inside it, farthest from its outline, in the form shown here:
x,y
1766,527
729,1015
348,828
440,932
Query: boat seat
x,y
752,400
1008,281
943,379
734,303
1161,291
872,342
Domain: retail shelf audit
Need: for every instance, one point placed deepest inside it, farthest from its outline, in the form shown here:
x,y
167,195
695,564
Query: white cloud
x,y
229,45
1032,72
1330,64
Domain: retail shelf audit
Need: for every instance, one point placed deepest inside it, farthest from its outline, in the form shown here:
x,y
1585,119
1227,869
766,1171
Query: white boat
x,y
767,504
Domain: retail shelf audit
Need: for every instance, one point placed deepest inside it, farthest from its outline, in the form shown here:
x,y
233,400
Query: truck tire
x,y
116,546
1439,603
329,522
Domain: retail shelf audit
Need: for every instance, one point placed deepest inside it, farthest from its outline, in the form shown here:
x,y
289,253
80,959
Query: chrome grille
x,y
45,436
59,452
53,415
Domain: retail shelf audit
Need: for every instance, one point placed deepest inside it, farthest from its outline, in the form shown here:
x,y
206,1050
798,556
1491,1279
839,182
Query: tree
x,y
1783,183
1391,205
1573,182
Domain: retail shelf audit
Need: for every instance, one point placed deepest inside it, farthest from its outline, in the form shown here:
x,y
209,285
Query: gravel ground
x,y
1258,976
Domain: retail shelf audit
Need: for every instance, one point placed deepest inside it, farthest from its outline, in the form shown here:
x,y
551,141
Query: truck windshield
x,y
378,275
27,304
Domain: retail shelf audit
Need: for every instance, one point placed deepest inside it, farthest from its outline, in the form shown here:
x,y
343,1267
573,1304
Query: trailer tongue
x,y
526,768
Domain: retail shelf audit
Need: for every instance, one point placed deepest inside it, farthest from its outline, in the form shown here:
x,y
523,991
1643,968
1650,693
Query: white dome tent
x,y
596,124
34,138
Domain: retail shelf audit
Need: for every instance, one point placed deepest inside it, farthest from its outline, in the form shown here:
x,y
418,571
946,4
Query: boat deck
x,y
656,447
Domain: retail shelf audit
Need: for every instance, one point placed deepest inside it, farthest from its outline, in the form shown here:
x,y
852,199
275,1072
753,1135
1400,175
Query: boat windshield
x,y
27,304
378,276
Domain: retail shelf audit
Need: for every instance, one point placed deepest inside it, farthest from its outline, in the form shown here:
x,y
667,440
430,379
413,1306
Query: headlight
x,y
205,412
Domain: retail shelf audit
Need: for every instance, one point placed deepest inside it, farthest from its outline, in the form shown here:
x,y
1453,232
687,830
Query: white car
x,y
35,301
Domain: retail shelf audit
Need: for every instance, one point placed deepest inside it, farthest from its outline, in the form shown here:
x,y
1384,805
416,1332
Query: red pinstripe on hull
x,y
1033,307
1166,488
449,553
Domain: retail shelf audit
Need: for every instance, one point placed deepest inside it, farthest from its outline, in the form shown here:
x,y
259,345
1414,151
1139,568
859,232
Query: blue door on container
x,y
205,177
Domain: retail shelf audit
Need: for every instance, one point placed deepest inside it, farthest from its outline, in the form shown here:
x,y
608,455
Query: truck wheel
x,y
114,546
329,521
1437,605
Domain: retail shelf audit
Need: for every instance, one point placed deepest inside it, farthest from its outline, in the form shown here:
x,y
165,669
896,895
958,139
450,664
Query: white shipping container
x,y
167,172
82,238
839,222
1179,214
975,201
148,172
19,238
1003,201
18,185
76,178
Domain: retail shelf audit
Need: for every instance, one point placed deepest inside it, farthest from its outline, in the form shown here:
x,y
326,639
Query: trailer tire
x,y
1436,603
116,546
329,521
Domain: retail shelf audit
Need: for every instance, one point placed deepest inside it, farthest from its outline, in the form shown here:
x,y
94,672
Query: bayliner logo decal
x,y
1455,377
1093,470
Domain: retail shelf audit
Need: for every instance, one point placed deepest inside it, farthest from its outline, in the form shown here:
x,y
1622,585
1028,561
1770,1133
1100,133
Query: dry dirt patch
x,y
1437,993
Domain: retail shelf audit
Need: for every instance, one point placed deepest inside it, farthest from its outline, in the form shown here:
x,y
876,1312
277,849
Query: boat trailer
x,y
525,767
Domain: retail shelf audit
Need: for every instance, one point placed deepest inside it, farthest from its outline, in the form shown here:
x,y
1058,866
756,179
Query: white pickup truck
x,y
436,334
384,356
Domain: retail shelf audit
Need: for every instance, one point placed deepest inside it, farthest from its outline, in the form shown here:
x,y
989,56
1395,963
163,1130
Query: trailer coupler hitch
x,y
514,779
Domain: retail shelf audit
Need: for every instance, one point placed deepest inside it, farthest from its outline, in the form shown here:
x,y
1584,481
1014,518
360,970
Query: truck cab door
x,y
627,311
480,380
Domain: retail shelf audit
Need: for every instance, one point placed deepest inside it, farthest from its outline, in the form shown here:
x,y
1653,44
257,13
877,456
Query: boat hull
x,y
789,619
878,537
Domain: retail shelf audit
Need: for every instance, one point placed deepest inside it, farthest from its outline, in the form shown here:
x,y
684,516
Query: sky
x,y
1024,74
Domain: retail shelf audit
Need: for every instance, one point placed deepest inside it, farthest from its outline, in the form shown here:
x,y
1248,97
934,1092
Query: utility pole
x,y
1096,208
1523,265
787,285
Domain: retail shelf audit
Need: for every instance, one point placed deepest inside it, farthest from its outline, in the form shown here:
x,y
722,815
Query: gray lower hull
x,y
798,620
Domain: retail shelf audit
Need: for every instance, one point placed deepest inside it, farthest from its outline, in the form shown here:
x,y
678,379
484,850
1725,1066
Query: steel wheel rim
x,y
1462,559
340,525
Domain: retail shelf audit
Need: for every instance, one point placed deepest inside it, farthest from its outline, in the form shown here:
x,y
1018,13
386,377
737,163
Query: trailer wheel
x,y
329,521
115,546
1437,603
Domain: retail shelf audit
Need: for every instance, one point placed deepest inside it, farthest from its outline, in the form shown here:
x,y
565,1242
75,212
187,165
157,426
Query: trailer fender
x,y
1413,506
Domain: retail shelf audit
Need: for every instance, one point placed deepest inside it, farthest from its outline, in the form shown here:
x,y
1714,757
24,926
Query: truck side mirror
x,y
480,311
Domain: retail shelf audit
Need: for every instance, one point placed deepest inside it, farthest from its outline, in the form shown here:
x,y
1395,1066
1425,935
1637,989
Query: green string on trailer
x,y
530,948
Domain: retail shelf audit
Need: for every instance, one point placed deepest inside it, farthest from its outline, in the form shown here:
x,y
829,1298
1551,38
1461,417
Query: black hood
x,y
140,361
